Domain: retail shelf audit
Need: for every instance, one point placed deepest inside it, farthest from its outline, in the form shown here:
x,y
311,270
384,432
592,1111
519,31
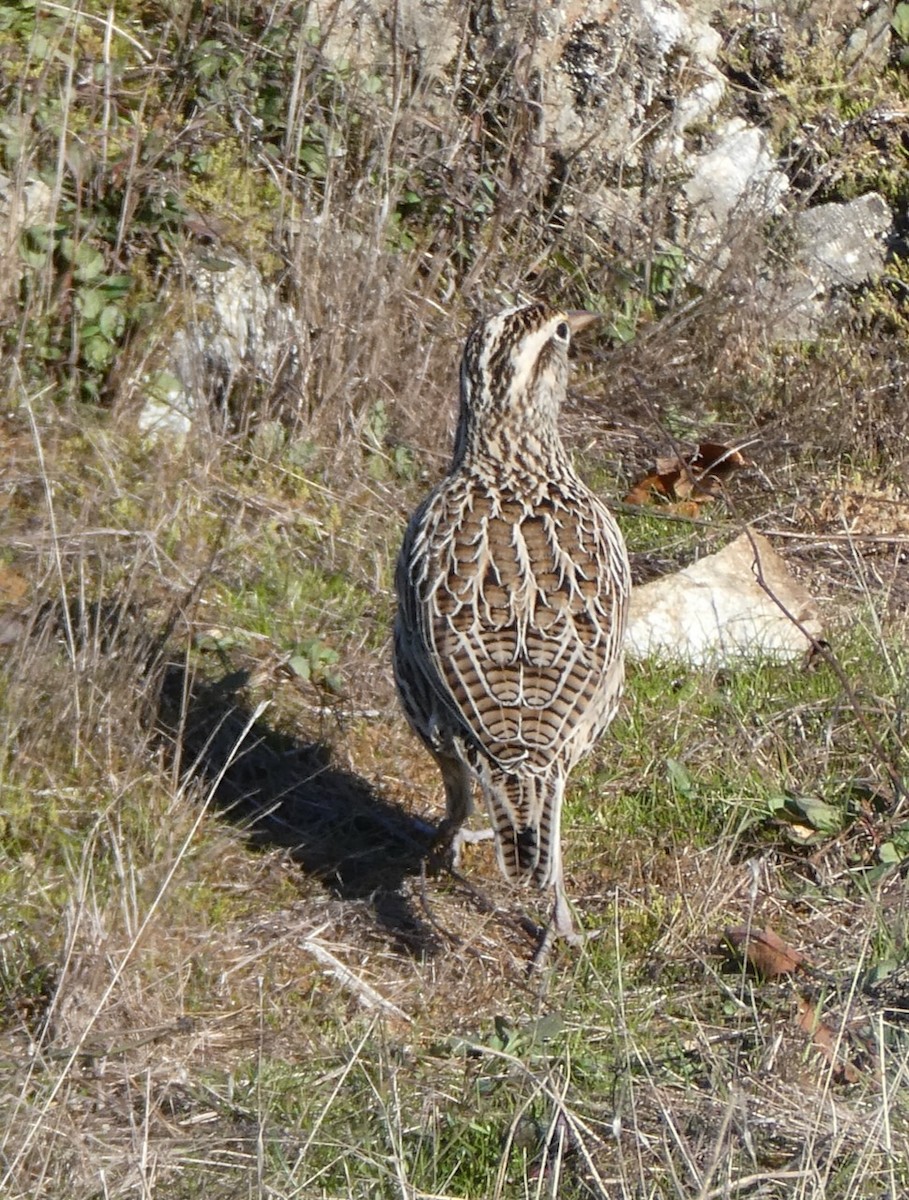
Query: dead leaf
x,y
694,478
13,587
718,460
651,488
824,1038
764,951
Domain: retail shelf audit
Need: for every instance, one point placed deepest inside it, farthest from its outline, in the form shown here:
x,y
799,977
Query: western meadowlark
x,y
513,586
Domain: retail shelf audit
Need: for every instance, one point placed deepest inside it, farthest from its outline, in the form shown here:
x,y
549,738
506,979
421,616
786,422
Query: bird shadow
x,y
283,791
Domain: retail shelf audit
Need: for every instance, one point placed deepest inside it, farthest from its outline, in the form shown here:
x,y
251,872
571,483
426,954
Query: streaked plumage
x,y
512,587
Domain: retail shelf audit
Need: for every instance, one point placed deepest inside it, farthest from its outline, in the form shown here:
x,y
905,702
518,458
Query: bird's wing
x,y
518,614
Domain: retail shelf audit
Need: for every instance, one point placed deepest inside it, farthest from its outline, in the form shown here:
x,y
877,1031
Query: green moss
x,y
225,186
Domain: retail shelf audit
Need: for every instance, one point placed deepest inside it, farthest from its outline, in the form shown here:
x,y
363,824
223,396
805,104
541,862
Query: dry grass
x,y
223,972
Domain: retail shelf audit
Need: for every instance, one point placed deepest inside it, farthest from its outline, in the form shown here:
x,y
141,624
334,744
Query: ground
x,y
225,970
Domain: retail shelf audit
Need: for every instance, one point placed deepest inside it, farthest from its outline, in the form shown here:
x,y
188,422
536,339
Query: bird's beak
x,y
580,318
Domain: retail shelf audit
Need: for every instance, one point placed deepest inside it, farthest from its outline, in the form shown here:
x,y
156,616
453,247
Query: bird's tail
x,y
526,811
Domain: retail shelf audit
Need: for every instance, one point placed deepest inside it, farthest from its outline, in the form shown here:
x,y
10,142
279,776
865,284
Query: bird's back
x,y
510,631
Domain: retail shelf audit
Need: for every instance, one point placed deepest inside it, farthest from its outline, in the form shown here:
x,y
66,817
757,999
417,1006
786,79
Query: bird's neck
x,y
517,461
504,424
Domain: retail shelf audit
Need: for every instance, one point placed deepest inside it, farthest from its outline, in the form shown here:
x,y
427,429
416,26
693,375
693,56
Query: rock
x,y
21,208
605,72
843,245
736,180
431,30
869,43
237,328
837,246
715,612
374,38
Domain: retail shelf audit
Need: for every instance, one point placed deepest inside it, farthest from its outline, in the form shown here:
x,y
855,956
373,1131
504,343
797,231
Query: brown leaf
x,y
824,1038
13,587
696,476
653,488
764,951
718,460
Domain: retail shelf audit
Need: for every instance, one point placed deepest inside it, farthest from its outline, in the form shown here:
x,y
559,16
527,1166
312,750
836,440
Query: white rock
x,y
836,246
20,209
236,324
715,612
168,418
736,179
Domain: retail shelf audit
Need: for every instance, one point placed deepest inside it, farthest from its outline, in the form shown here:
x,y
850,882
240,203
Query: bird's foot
x,y
560,927
445,852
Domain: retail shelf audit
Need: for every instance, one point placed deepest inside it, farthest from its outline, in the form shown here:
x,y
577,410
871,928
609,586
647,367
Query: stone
x,y
736,180
868,45
21,208
236,327
837,246
715,612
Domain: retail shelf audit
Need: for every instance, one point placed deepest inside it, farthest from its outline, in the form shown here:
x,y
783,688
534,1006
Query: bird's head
x,y
514,376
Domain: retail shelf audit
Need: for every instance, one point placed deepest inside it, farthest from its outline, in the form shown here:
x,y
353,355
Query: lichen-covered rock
x,y
237,328
834,247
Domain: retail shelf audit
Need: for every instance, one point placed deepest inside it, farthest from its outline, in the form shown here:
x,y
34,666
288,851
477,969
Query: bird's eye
x,y
562,332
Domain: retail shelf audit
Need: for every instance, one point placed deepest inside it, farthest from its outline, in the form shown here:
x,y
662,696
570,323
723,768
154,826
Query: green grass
x,y
222,973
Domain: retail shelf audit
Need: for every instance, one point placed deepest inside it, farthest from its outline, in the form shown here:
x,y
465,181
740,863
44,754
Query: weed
x,y
223,971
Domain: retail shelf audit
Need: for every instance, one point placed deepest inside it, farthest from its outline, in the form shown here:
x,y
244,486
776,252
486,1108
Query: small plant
x,y
384,461
314,662
92,307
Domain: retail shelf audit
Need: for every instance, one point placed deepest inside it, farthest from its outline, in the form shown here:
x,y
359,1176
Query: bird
x,y
512,587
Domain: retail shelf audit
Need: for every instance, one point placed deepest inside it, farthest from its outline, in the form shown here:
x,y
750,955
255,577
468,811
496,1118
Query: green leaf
x,y
301,666
217,264
32,255
809,819
88,262
97,352
332,682
118,284
314,159
679,779
111,322
900,22
545,1028
817,813
39,47
89,302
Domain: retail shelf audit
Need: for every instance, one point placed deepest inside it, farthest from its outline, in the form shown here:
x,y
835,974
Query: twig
x,y
364,992
822,650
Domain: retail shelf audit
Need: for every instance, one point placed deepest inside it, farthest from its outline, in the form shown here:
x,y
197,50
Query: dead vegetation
x,y
223,970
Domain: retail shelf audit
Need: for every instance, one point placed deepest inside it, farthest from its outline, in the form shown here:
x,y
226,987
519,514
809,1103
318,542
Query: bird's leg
x,y
468,837
561,922
451,834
